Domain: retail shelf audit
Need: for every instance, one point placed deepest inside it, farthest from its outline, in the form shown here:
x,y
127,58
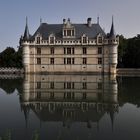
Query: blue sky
x,y
13,14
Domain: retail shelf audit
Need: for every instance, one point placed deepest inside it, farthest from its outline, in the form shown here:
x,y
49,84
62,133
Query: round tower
x,y
113,49
25,42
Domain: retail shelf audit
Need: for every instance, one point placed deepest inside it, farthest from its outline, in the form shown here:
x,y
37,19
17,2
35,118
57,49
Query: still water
x,y
70,107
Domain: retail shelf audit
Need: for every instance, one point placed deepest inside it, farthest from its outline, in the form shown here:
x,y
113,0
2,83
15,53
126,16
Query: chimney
x,y
89,22
64,21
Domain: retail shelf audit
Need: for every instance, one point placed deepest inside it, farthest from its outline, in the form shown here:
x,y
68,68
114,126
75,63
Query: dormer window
x,y
38,40
68,33
51,39
84,39
100,39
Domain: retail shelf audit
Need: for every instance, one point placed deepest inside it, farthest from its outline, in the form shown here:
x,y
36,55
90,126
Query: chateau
x,y
70,47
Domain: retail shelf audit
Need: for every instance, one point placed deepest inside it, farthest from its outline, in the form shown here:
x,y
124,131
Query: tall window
x,y
84,40
72,50
68,50
52,61
99,60
73,60
68,60
51,40
72,32
100,40
38,60
68,32
84,60
38,40
84,50
52,50
64,32
39,51
99,50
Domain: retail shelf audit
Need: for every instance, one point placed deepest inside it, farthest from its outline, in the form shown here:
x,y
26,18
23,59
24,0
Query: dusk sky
x,y
13,13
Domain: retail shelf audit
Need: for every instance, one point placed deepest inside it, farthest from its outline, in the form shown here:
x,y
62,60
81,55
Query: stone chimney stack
x,y
89,24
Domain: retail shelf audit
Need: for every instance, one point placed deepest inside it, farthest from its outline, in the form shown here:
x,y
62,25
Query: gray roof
x,y
46,29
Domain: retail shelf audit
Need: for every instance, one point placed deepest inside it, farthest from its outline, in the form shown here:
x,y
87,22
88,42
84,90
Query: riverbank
x,y
128,72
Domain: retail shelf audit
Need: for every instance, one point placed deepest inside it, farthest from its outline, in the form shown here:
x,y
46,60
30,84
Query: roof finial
x,y
98,18
26,21
40,20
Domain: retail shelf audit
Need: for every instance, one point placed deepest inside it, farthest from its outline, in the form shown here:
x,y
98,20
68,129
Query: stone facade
x,y
70,47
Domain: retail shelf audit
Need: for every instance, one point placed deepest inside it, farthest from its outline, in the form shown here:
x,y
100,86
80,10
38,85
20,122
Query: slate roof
x,y
46,29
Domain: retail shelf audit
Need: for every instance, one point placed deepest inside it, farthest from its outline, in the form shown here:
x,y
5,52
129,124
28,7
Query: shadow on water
x,y
70,106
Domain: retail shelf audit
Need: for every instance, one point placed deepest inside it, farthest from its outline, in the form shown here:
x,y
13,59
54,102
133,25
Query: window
x,y
84,50
68,60
99,39
72,60
84,60
64,60
64,50
84,40
68,32
72,50
64,32
99,50
38,40
99,60
72,32
52,50
84,85
68,50
38,50
51,40
52,61
38,60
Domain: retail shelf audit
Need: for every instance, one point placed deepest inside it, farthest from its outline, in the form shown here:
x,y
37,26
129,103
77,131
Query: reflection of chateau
x,y
82,98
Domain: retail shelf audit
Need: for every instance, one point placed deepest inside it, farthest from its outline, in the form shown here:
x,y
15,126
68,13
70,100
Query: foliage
x,y
10,58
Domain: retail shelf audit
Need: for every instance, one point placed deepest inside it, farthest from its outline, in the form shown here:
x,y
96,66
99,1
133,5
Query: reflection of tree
x,y
129,90
9,85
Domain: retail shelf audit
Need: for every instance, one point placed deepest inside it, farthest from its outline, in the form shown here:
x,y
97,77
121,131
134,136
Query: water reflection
x,y
70,98
66,106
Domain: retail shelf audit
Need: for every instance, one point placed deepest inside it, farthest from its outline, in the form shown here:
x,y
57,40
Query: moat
x,y
70,107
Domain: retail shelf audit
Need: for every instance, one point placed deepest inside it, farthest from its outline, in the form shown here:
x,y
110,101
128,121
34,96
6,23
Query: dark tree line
x,y
11,58
128,54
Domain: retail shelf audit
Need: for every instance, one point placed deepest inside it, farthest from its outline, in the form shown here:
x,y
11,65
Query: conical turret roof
x,y
26,32
112,34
